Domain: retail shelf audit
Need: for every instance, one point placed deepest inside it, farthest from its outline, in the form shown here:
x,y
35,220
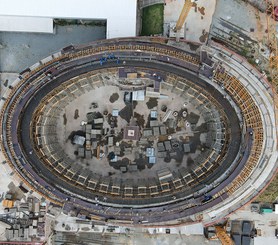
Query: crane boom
x,y
185,10
223,236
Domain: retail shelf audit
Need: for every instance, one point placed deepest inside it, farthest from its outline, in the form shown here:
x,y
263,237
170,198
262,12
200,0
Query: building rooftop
x,y
37,16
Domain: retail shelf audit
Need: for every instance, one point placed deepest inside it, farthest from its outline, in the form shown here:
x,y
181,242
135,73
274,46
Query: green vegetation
x,y
244,52
152,20
68,22
270,193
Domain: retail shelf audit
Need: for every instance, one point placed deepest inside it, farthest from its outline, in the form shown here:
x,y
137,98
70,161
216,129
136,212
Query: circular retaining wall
x,y
30,113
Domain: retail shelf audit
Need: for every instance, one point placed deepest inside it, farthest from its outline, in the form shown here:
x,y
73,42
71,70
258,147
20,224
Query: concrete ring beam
x,y
30,112
40,115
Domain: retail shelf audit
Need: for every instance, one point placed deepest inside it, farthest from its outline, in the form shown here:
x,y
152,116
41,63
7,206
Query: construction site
x,y
169,135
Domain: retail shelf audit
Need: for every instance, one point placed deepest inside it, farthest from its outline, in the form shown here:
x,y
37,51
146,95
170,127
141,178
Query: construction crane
x,y
273,48
223,236
184,13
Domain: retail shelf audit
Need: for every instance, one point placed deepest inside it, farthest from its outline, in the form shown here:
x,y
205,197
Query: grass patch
x,y
152,20
270,193
68,22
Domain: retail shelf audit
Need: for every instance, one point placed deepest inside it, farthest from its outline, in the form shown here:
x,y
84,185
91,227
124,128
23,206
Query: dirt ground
x,y
101,166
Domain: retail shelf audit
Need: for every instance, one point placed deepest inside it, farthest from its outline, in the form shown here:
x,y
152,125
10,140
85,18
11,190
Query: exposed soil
x,y
6,83
114,97
193,47
126,112
73,133
204,37
65,119
193,118
194,5
76,114
194,142
190,162
201,10
140,119
152,103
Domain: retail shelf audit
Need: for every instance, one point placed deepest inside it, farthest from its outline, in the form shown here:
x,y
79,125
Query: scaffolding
x,y
252,118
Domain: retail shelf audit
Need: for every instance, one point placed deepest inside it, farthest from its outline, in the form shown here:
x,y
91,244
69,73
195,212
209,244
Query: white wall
x,y
120,14
26,24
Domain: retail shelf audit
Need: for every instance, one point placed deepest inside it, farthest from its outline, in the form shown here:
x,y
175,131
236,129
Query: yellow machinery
x,y
184,13
223,236
176,28
8,203
185,10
